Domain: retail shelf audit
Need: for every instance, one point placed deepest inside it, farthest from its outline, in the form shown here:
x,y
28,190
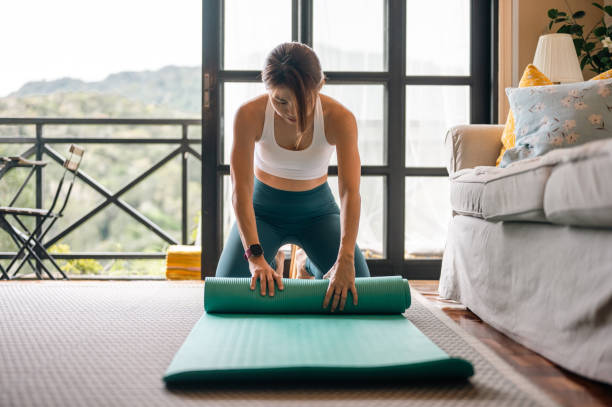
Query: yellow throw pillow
x,y
531,77
603,75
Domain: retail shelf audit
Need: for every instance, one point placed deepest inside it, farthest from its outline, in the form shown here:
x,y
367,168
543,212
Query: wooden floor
x,y
566,388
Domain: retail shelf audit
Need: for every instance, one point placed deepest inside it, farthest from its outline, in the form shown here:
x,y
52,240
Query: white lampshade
x,y
556,58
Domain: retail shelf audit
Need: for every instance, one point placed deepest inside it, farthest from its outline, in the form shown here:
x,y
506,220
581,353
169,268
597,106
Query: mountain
x,y
174,87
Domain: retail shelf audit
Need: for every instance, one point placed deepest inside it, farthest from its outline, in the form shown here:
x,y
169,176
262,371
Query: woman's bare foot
x,y
300,263
280,262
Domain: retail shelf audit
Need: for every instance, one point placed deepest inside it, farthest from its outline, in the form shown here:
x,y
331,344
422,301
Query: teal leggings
x,y
309,219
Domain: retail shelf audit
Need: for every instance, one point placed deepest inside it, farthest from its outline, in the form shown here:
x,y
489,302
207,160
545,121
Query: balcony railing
x,y
41,148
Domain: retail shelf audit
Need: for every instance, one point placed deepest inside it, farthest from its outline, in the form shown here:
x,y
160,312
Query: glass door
x,y
407,69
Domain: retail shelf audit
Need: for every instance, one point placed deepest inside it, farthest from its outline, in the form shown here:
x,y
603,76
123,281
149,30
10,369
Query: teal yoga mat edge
x,y
443,369
377,295
438,366
438,369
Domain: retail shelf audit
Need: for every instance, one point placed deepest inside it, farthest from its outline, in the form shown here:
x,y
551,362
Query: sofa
x,y
529,246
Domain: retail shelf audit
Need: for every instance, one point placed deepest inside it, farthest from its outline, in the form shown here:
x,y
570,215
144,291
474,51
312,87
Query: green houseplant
x,y
594,48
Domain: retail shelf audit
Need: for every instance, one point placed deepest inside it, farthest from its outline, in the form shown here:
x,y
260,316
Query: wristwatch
x,y
253,250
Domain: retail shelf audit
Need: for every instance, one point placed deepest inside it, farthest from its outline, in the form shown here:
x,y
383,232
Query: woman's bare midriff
x,y
287,184
285,136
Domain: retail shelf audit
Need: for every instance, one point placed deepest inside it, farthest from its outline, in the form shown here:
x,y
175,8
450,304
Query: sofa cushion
x,y
579,190
558,116
531,77
502,194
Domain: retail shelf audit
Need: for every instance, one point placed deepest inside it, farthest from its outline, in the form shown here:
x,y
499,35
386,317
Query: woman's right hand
x,y
260,269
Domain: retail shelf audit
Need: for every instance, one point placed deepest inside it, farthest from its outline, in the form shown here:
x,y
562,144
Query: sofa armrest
x,y
472,145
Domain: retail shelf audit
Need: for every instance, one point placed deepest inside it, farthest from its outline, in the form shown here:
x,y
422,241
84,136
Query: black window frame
x,y
483,109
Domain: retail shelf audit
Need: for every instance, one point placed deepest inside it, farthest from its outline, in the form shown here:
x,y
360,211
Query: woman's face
x,y
285,105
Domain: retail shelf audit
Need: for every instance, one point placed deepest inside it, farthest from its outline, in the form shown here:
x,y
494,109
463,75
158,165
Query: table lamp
x,y
556,58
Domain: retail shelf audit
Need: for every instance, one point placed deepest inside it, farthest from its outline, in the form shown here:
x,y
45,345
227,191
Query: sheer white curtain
x,y
430,111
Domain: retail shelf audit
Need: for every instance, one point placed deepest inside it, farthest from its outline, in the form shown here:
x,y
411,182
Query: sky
x,y
89,40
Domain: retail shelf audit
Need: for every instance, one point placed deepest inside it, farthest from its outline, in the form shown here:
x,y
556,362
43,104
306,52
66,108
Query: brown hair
x,y
296,66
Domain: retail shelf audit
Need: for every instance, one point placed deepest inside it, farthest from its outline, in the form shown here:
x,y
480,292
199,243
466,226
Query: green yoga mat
x,y
244,336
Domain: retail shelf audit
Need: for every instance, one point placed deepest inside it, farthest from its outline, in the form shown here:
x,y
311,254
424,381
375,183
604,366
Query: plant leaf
x,y
578,44
576,29
584,61
558,20
589,46
550,24
600,31
578,14
599,6
608,10
565,29
553,13
595,60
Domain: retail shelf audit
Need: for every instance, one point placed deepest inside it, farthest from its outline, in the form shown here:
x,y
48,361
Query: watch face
x,y
256,250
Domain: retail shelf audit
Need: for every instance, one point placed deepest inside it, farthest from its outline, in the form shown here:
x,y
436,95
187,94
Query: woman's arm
x,y
241,172
349,176
342,274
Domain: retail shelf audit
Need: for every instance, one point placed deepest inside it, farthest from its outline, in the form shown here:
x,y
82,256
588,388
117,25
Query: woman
x,y
285,138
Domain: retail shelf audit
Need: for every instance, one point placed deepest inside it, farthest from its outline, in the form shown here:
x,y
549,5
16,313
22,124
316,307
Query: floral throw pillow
x,y
531,77
557,116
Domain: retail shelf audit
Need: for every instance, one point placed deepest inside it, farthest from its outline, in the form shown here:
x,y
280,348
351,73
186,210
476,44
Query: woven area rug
x,y
81,343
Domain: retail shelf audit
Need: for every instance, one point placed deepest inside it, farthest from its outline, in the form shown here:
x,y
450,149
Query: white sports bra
x,y
310,163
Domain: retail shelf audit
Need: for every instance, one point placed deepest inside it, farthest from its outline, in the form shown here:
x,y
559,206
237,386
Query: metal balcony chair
x,y
29,243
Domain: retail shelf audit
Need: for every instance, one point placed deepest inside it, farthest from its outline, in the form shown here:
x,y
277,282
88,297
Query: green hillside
x,y
174,87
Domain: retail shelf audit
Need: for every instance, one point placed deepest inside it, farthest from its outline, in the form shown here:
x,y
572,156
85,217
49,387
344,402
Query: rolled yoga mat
x,y
244,336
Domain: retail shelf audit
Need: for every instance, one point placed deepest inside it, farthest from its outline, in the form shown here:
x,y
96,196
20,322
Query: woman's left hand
x,y
341,279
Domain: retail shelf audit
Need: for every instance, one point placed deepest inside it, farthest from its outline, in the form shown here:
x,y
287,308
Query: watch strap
x,y
248,252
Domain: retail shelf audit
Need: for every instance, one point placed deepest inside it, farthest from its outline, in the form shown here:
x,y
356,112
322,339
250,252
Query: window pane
x,y
252,29
370,235
194,196
430,111
427,215
449,54
341,39
366,103
228,211
234,95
